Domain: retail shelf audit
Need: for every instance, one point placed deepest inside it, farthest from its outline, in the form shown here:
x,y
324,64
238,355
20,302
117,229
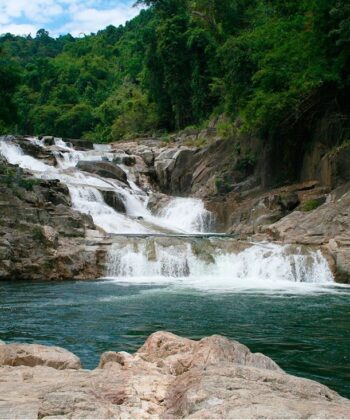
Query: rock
x,y
125,159
163,169
38,355
174,169
42,237
289,201
180,355
104,169
33,149
50,235
121,358
80,144
115,200
182,174
48,140
168,377
148,156
157,201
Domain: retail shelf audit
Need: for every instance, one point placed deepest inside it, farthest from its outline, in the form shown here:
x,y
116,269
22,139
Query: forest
x,y
268,66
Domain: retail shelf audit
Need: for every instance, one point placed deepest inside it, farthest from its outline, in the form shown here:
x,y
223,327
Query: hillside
x,y
278,70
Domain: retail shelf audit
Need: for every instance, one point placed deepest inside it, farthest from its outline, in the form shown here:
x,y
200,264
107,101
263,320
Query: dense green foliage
x,y
273,64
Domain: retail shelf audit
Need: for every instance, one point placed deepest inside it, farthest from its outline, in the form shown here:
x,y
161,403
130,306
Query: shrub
x,y
247,162
38,234
310,205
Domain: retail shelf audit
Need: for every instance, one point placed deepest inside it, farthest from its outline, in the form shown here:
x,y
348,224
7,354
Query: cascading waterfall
x,y
194,216
149,260
261,265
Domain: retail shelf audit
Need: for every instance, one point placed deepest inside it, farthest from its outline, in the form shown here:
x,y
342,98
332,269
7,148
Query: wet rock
x,y
174,169
115,200
104,169
33,149
157,201
169,377
38,355
80,144
125,159
48,140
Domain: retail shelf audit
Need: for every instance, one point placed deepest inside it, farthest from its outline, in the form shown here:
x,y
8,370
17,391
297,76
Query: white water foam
x,y
187,215
259,266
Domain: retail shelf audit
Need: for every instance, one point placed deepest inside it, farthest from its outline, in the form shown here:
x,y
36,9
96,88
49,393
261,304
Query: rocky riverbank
x,y
168,377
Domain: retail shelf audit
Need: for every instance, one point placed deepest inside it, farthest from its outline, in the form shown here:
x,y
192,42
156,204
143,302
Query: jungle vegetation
x,y
267,64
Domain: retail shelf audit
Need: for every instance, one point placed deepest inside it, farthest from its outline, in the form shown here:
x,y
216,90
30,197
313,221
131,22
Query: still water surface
x,y
307,334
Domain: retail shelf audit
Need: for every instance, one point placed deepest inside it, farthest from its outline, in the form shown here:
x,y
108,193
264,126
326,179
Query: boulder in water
x,y
104,169
48,140
114,200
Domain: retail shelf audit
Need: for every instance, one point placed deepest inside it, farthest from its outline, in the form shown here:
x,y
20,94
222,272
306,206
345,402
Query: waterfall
x,y
194,216
203,262
89,200
259,266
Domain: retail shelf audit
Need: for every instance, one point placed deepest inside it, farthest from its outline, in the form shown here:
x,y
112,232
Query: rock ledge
x,y
168,377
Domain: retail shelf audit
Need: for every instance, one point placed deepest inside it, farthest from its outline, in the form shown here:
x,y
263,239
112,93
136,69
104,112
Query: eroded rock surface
x,y
41,236
168,377
37,355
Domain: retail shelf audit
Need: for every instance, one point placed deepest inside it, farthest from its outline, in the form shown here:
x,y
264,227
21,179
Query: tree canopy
x,y
178,63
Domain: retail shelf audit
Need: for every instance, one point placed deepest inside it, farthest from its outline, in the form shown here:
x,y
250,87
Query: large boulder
x,y
104,169
114,200
182,174
169,377
38,355
174,169
179,355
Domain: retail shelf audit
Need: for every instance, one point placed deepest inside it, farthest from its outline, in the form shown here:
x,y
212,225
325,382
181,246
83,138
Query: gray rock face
x,y
41,236
104,169
38,355
174,169
169,377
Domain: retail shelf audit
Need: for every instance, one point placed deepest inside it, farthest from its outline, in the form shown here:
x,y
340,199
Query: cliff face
x,y
41,236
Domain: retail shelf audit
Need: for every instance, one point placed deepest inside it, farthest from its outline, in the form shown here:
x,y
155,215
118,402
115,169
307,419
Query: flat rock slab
x,y
168,377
